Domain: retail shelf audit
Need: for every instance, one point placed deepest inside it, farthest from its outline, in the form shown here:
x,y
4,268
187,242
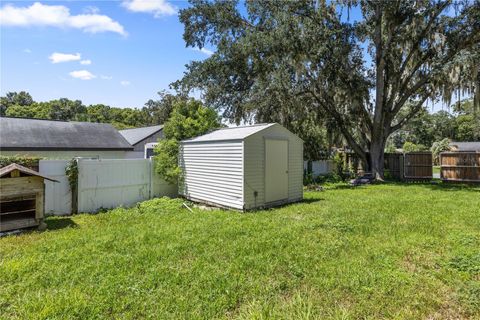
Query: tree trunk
x,y
377,157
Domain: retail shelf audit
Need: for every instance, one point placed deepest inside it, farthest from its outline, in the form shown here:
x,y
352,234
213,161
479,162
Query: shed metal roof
x,y
36,134
466,146
233,133
134,136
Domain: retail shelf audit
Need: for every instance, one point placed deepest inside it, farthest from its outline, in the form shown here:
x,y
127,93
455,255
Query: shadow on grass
x,y
307,201
60,223
437,185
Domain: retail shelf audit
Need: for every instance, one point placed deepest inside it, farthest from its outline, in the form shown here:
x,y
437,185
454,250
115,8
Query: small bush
x,y
160,205
29,162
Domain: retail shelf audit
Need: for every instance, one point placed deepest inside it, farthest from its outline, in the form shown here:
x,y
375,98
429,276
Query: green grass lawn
x,y
392,251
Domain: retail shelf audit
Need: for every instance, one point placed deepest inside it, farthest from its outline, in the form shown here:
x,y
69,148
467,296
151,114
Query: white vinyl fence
x,y
58,197
321,167
109,183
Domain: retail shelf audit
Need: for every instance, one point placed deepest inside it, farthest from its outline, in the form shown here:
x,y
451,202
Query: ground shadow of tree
x,y
60,223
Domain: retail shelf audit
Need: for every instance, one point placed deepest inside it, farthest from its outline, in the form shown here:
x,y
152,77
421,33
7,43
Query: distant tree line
x,y
462,123
154,112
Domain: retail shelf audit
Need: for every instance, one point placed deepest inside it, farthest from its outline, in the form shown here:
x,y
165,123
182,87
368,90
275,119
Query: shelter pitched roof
x,y
26,171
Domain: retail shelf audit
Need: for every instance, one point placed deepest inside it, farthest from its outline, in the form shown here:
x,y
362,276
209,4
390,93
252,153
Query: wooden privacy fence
x,y
460,166
418,166
411,166
394,165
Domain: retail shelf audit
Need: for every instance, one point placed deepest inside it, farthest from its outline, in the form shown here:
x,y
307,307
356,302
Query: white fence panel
x,y
320,167
117,182
162,188
58,196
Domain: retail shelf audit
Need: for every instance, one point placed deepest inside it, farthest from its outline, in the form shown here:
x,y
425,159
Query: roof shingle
x,y
134,136
36,134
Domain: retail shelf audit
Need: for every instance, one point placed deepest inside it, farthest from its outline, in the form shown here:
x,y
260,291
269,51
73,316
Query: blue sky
x,y
135,48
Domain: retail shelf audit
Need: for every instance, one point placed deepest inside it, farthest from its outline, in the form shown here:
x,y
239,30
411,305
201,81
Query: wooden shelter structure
x,y
22,194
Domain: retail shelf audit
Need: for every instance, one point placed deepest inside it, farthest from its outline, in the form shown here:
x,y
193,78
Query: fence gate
x,y
58,197
418,166
460,166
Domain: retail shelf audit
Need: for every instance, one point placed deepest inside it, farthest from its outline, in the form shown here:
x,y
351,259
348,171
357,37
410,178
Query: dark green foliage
x,y
461,124
71,171
28,162
412,147
189,118
153,113
21,98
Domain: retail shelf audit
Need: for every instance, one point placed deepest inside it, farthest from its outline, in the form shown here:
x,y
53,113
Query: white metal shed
x,y
243,167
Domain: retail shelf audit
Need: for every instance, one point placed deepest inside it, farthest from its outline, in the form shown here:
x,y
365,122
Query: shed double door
x,y
276,170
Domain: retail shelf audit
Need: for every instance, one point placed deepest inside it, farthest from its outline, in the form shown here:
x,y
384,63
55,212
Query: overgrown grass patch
x,y
404,251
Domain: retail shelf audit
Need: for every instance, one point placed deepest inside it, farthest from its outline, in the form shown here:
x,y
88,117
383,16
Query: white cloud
x,y
82,75
27,50
91,9
204,51
106,77
57,16
86,62
58,57
157,7
125,83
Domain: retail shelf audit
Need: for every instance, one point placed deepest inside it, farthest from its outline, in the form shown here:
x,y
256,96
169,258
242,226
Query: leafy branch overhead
x,y
302,63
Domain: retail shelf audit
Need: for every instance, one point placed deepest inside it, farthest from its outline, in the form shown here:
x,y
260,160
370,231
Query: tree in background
x,y
412,147
158,111
438,147
154,112
189,118
21,98
297,60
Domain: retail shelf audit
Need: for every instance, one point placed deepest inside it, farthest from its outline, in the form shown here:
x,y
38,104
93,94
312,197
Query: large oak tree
x,y
303,63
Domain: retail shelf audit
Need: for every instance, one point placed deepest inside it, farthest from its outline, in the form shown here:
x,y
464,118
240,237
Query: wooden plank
x,y
22,185
39,206
17,224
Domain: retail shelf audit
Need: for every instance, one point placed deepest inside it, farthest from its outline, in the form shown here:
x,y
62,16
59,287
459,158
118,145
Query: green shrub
x,y
439,147
29,162
412,147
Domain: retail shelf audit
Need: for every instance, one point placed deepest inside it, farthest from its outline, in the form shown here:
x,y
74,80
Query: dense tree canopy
x,y
302,63
153,113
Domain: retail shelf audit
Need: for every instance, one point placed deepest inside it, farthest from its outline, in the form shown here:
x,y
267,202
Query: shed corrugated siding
x,y
213,172
255,163
254,171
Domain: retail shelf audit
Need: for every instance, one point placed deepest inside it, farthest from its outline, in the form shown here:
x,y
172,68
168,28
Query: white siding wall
x,y
213,172
255,165
320,167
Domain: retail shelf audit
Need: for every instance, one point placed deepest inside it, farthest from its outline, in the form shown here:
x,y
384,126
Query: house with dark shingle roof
x,y
61,139
465,146
139,137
